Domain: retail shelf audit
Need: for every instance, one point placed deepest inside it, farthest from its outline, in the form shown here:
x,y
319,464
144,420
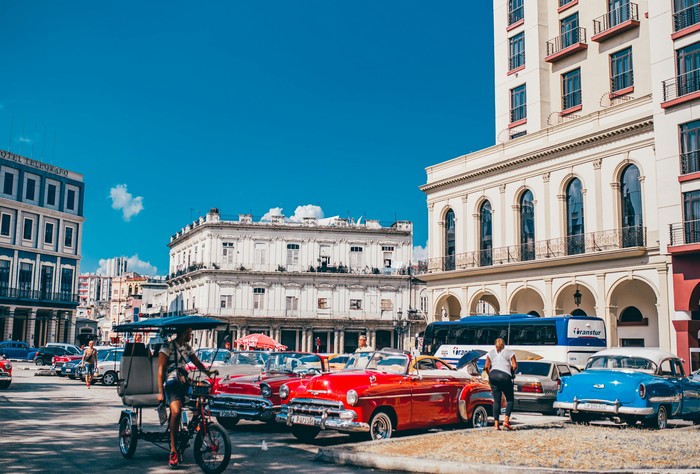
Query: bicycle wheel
x,y
212,448
127,438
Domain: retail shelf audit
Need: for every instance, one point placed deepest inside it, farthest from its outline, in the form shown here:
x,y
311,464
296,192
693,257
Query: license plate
x,y
228,414
303,420
4,376
595,406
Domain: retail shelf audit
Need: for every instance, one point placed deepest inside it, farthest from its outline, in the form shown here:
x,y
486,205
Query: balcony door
x,y
569,31
688,65
691,221
4,277
46,282
631,197
486,235
619,11
574,218
25,279
450,247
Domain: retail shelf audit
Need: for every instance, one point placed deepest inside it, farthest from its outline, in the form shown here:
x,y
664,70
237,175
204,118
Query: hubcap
x,y
662,418
380,428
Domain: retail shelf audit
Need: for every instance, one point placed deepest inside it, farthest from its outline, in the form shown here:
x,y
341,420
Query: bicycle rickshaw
x,y
138,388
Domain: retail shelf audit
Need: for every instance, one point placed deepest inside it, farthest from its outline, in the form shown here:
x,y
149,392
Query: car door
x,y
690,388
431,394
666,371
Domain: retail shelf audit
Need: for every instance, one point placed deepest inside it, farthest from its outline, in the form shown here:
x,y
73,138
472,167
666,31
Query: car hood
x,y
250,384
609,385
335,385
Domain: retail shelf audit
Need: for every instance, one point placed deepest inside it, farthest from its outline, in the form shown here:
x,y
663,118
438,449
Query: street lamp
x,y
401,327
577,297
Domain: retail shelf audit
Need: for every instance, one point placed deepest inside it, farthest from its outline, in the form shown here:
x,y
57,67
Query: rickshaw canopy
x,y
170,324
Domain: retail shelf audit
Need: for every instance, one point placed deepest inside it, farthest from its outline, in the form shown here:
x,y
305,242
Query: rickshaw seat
x,y
141,373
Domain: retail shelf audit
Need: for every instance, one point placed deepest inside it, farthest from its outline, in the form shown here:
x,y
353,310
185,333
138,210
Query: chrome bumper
x,y
602,406
321,414
249,407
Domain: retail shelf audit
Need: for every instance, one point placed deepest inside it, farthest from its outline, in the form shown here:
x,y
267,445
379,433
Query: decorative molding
x,y
388,288
502,188
545,177
597,163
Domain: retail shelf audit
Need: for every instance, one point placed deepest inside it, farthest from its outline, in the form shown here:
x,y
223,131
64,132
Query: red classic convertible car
x,y
256,397
380,392
5,373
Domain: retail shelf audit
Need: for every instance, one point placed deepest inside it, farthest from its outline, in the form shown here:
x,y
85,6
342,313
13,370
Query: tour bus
x,y
566,338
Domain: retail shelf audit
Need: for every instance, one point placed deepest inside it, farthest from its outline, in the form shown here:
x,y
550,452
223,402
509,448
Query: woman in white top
x,y
500,367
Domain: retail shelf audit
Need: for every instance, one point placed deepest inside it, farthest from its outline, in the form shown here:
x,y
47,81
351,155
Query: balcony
x,y
690,162
619,20
593,243
518,116
40,297
681,89
684,236
566,44
516,62
686,21
621,84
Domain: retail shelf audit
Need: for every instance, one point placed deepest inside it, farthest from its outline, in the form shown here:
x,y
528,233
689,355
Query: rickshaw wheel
x,y
127,438
212,450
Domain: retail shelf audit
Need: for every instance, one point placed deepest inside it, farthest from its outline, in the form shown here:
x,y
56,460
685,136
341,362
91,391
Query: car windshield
x,y
620,362
103,355
339,359
248,358
293,362
533,368
381,361
206,355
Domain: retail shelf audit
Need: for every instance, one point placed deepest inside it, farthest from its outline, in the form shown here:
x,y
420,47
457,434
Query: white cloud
x,y
133,264
307,210
274,211
125,201
25,140
420,253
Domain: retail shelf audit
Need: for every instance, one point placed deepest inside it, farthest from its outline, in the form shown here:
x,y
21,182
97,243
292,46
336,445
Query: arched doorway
x,y
636,318
568,296
526,301
448,308
484,303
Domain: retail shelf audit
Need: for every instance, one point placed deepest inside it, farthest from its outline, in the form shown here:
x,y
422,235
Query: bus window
x,y
463,337
546,334
521,336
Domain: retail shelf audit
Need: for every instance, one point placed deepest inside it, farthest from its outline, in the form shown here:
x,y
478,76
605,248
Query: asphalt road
x,y
54,424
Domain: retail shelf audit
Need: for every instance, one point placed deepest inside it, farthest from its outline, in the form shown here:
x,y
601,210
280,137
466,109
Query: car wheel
x,y
109,378
380,426
227,422
480,417
39,362
305,434
579,417
658,421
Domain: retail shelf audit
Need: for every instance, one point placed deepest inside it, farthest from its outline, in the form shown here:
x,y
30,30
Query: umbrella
x,y
258,341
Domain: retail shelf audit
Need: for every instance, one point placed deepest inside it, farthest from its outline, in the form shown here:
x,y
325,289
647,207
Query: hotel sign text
x,y
33,163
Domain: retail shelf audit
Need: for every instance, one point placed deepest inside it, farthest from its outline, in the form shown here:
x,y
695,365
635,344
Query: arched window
x,y
578,312
574,218
449,261
631,316
527,226
485,235
534,313
631,205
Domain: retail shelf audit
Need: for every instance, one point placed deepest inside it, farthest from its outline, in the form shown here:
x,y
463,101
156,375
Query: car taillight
x,y
532,387
642,391
558,385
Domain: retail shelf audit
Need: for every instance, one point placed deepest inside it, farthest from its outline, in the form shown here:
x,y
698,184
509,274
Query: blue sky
x,y
171,108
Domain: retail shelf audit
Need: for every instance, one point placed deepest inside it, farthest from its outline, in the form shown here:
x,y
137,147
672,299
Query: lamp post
x,y
401,326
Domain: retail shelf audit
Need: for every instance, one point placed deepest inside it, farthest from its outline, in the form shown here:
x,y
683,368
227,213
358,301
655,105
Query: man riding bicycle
x,y
173,384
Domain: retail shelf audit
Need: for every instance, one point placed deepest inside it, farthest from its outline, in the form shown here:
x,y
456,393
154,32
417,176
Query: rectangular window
x,y
5,223
688,67
46,281
27,233
518,106
70,200
619,11
387,304
518,134
25,278
68,240
292,303
9,183
4,276
690,147
685,13
356,260
258,298
325,254
571,89
569,31
516,51
691,212
66,280
632,342
356,304
51,195
516,11
227,250
30,191
424,304
621,71
260,254
226,301
48,233
323,303
292,254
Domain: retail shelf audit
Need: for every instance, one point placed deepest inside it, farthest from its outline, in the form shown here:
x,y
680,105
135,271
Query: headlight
x,y
265,390
284,392
351,397
8,365
642,391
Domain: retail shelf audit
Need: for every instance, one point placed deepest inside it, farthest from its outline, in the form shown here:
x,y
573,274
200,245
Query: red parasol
x,y
258,341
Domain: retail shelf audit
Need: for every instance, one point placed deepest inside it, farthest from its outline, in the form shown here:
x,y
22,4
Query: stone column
x,y
51,336
31,326
70,321
9,323
372,337
342,341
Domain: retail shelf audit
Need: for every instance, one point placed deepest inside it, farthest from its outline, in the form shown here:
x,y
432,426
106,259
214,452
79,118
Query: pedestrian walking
x,y
89,361
500,367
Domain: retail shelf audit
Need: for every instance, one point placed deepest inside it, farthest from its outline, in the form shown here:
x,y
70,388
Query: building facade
x,y
125,302
584,205
41,220
311,285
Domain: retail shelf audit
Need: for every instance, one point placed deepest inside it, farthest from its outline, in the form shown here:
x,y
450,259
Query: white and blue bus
x,y
567,338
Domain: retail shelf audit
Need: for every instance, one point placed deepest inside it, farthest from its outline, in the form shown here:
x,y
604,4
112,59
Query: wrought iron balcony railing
x,y
516,14
564,2
517,60
684,233
690,162
38,296
617,16
563,41
681,85
571,99
518,113
589,243
621,81
686,17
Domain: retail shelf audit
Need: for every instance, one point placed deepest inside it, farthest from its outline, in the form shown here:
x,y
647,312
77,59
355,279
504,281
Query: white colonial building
x,y
310,283
594,180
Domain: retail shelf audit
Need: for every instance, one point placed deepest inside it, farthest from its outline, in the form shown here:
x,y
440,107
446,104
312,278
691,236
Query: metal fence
x,y
569,38
37,295
684,233
686,17
681,85
621,14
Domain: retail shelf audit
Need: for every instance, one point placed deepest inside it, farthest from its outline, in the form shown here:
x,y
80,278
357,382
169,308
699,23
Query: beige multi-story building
x,y
311,285
125,301
588,190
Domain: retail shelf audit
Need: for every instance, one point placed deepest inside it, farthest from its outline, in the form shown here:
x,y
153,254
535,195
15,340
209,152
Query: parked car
x,y
17,350
207,354
71,369
72,353
5,373
108,365
537,383
71,348
630,385
338,361
257,397
385,391
44,355
244,363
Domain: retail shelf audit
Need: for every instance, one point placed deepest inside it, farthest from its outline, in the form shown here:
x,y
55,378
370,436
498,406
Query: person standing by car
x,y
172,359
500,367
89,361
362,344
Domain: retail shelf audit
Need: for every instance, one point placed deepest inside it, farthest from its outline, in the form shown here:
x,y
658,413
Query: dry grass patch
x,y
562,447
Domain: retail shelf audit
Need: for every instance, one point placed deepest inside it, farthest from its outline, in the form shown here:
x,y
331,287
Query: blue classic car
x,y
630,385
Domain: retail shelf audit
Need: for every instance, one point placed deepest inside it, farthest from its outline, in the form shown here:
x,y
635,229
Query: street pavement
x,y
54,424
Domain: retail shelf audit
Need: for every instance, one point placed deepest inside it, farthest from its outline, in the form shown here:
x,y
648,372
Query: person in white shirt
x,y
500,367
